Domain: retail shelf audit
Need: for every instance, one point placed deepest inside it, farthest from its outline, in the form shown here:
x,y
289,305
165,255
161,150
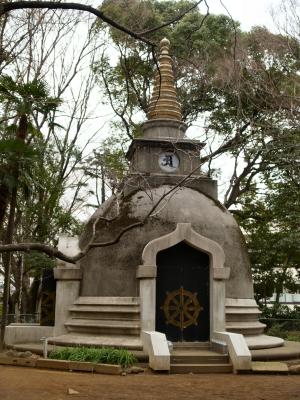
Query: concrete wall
x,y
68,277
26,333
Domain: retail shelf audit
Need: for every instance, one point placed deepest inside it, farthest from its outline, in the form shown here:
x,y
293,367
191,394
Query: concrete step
x,y
245,327
200,368
199,359
240,303
242,314
242,318
116,312
104,308
191,345
103,326
243,310
275,367
96,340
86,300
105,316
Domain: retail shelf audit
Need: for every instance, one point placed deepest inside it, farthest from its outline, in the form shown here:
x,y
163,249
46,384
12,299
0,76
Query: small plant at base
x,y
293,336
276,330
105,355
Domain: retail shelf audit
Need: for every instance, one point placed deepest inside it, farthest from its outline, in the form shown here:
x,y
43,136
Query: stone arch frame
x,y
147,272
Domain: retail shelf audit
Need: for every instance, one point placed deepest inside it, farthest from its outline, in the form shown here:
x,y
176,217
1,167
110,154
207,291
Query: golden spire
x,y
163,103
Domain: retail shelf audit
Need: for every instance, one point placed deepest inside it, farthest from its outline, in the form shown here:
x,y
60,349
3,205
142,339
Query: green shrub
x,y
60,354
280,312
294,336
276,330
105,355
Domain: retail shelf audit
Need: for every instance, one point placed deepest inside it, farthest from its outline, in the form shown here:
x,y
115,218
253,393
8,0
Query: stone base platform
x,y
289,351
126,342
269,367
263,342
37,348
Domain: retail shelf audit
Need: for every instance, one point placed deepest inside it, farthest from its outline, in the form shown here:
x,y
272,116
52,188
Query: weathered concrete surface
x,y
67,292
68,279
61,365
256,342
108,369
156,346
26,333
127,342
289,351
239,353
270,366
52,364
111,271
21,362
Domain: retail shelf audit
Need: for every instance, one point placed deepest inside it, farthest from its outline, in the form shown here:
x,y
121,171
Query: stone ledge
x,y
81,366
26,333
66,365
71,274
52,364
269,367
21,362
108,369
221,273
146,271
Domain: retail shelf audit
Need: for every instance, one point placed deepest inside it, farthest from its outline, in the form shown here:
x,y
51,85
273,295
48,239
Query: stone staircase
x,y
242,316
103,321
198,358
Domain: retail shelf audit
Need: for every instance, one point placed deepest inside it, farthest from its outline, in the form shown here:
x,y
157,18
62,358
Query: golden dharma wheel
x,y
181,308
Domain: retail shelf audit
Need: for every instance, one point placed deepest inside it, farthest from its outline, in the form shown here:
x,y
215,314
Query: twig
x,y
171,21
16,5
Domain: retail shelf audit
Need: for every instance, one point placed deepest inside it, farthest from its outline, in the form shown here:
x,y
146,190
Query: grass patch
x,y
294,336
104,355
277,330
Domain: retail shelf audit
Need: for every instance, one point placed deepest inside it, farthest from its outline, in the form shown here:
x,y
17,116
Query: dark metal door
x,y
182,294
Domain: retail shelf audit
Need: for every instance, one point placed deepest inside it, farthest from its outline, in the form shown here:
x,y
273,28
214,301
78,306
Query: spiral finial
x,y
163,103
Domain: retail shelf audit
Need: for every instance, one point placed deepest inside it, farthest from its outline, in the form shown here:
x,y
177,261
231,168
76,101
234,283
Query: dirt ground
x,y
17,383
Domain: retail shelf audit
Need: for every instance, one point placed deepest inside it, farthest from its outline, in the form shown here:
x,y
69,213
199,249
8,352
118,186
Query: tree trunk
x,y
19,287
6,258
20,135
102,184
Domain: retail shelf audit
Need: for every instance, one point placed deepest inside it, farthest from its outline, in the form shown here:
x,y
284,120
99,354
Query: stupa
x,y
183,270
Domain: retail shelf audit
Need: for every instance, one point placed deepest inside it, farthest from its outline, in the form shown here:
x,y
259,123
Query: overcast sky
x,y
248,12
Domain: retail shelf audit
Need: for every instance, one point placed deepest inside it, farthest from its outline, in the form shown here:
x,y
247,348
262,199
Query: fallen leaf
x,y
72,391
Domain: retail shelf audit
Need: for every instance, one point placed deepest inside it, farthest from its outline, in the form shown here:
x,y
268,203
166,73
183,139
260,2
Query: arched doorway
x,y
182,293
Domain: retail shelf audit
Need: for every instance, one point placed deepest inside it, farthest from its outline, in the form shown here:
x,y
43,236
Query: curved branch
x,y
175,19
54,252
44,248
16,5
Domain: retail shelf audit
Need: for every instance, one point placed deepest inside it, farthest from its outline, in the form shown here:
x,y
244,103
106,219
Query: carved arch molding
x,y
183,232
147,272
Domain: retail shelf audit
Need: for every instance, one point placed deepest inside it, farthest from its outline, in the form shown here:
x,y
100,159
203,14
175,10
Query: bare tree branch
x,y
54,252
175,19
6,7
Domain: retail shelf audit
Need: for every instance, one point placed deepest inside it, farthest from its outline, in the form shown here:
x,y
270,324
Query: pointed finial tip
x,y
164,42
164,104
